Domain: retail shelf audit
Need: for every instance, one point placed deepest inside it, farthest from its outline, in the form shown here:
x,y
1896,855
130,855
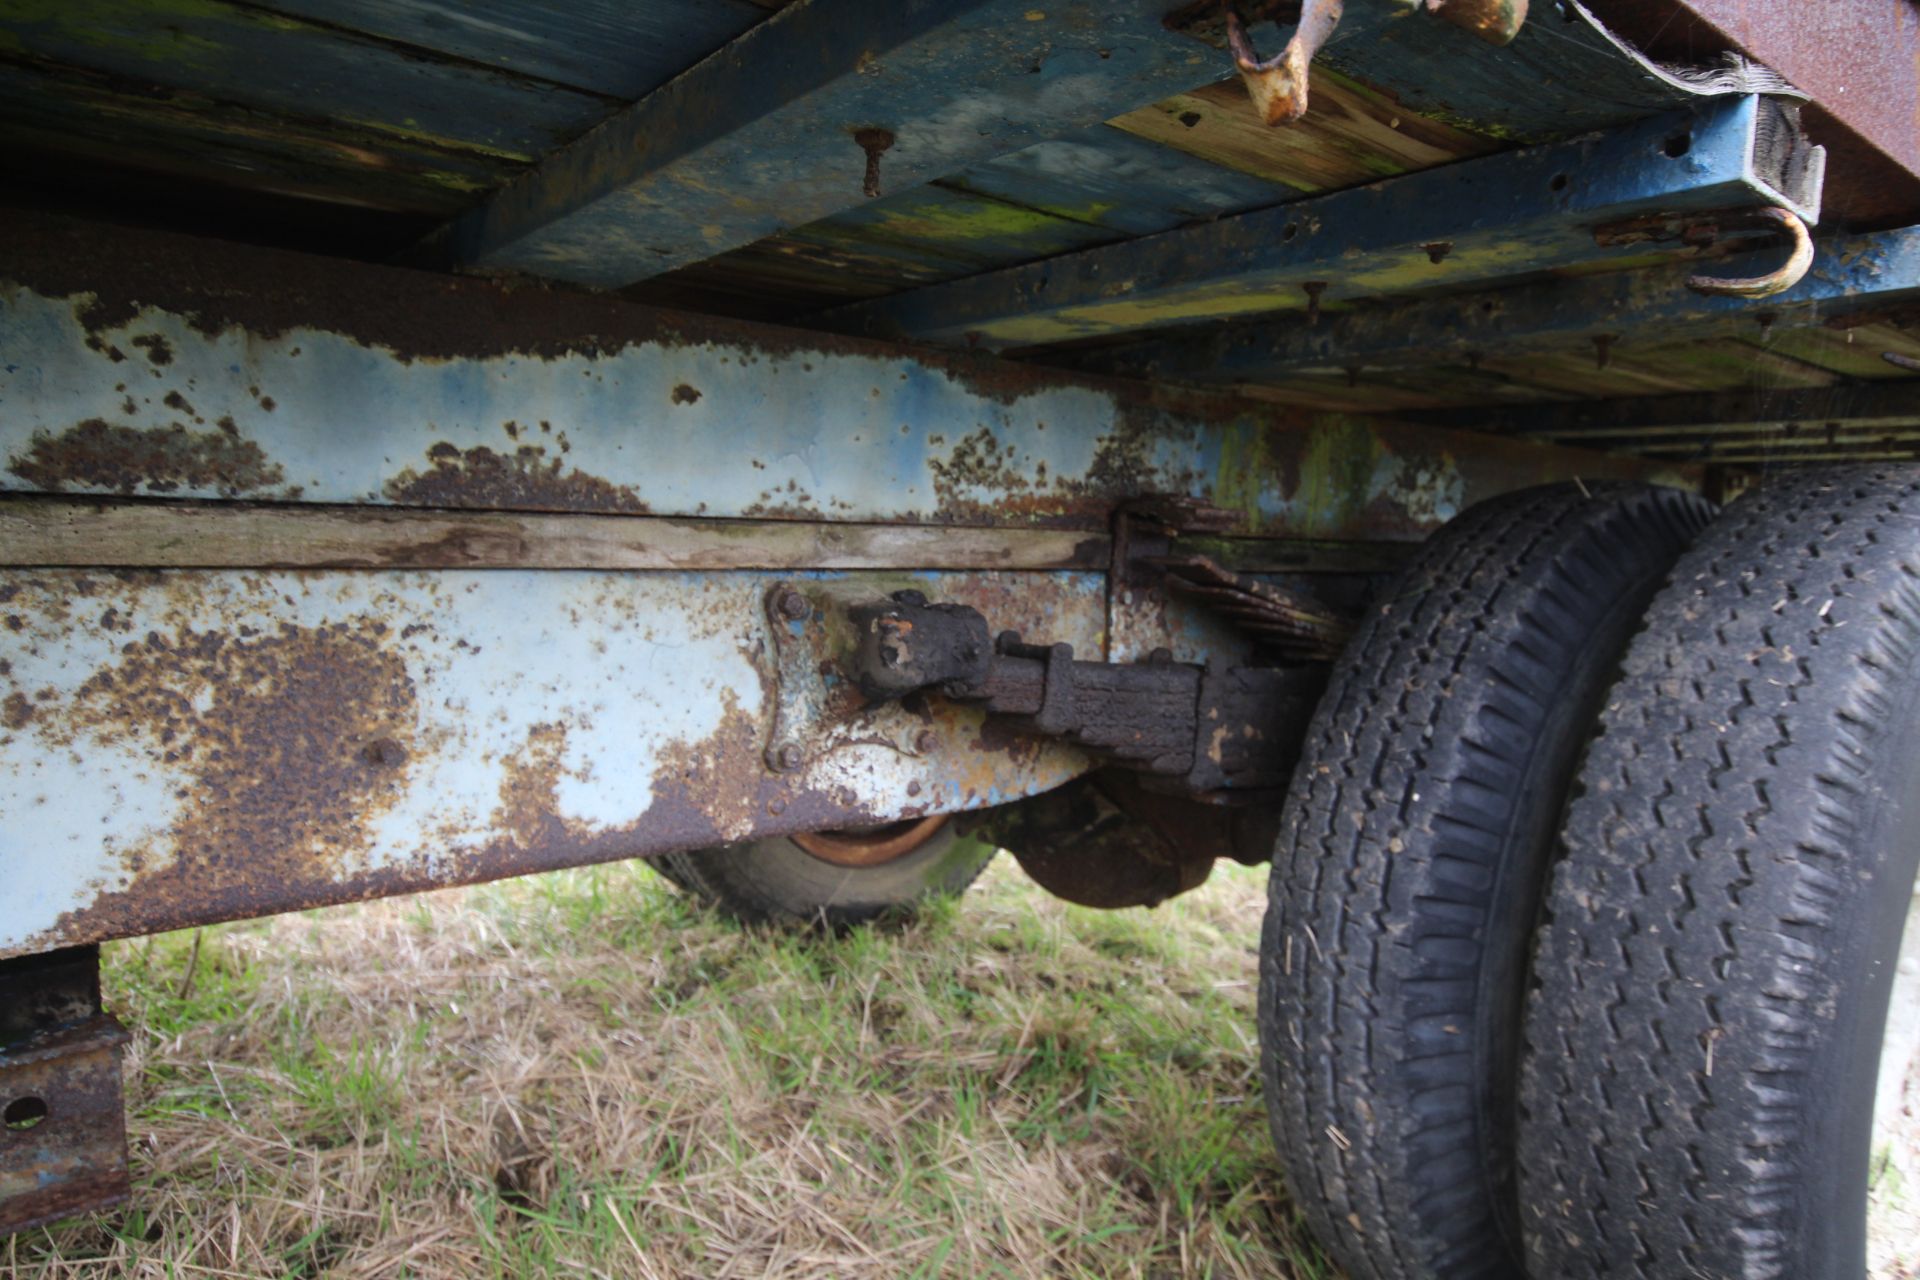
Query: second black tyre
x,y
1714,975
1411,861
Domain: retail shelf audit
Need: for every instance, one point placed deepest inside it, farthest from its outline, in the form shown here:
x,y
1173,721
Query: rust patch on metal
x,y
708,792
686,394
292,743
101,455
1016,488
159,352
16,712
525,480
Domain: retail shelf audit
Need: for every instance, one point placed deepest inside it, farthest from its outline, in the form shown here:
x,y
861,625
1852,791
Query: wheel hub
x,y
871,846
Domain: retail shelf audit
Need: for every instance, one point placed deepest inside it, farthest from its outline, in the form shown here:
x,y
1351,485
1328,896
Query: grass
x,y
579,1074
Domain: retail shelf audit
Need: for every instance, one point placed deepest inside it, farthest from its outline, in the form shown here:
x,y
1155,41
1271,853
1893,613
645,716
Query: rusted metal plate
x,y
157,366
192,746
63,1140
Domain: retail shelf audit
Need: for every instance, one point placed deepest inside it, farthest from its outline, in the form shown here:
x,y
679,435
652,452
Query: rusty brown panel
x,y
1858,59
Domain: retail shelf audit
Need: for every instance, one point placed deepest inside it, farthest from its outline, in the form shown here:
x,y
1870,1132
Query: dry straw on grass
x,y
577,1074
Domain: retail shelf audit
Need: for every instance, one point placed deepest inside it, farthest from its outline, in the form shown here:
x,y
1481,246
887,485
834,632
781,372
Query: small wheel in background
x,y
835,878
1412,855
1713,977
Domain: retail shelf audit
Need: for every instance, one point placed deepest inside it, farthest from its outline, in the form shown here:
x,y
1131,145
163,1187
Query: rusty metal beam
x,y
151,365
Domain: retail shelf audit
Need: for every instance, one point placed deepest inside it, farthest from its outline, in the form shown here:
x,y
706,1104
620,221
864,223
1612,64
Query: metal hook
x,y
1278,86
1790,274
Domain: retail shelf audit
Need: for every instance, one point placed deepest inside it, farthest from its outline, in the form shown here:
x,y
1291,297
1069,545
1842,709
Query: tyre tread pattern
x,y
1694,961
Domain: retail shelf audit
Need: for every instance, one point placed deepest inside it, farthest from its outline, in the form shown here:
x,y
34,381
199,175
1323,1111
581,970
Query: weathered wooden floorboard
x,y
623,49
38,533
235,56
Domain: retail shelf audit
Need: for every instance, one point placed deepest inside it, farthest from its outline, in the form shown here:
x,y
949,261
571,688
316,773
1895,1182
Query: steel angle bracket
x,y
817,707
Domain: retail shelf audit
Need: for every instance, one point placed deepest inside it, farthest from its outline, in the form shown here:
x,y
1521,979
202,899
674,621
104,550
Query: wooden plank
x,y
1656,369
1350,135
88,117
939,232
1806,412
622,49
249,58
1396,390
1109,178
56,533
43,533
1856,352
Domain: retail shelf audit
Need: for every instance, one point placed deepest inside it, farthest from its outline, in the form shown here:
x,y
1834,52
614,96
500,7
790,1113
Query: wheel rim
x,y
1893,1199
871,846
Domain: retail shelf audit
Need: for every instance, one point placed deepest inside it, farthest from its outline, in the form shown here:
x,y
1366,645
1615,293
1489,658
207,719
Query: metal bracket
x,y
63,1134
1198,731
788,613
816,710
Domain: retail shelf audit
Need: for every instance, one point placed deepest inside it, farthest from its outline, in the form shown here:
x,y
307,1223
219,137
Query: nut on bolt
x,y
785,758
789,603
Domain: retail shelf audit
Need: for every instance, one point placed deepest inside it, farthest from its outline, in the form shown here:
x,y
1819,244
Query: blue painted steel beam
x,y
761,136
1630,310
1501,216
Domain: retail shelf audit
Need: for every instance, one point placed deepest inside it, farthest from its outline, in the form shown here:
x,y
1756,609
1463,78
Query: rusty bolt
x,y
874,142
1314,289
791,604
924,741
383,751
785,757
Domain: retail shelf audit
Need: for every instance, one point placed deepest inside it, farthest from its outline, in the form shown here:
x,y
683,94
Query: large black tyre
x,y
1412,854
1713,976
776,881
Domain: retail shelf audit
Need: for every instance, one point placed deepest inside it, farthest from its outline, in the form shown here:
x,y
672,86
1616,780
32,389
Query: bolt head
x,y
924,741
787,757
792,604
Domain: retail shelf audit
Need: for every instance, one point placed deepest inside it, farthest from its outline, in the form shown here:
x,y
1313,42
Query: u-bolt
x,y
1791,273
